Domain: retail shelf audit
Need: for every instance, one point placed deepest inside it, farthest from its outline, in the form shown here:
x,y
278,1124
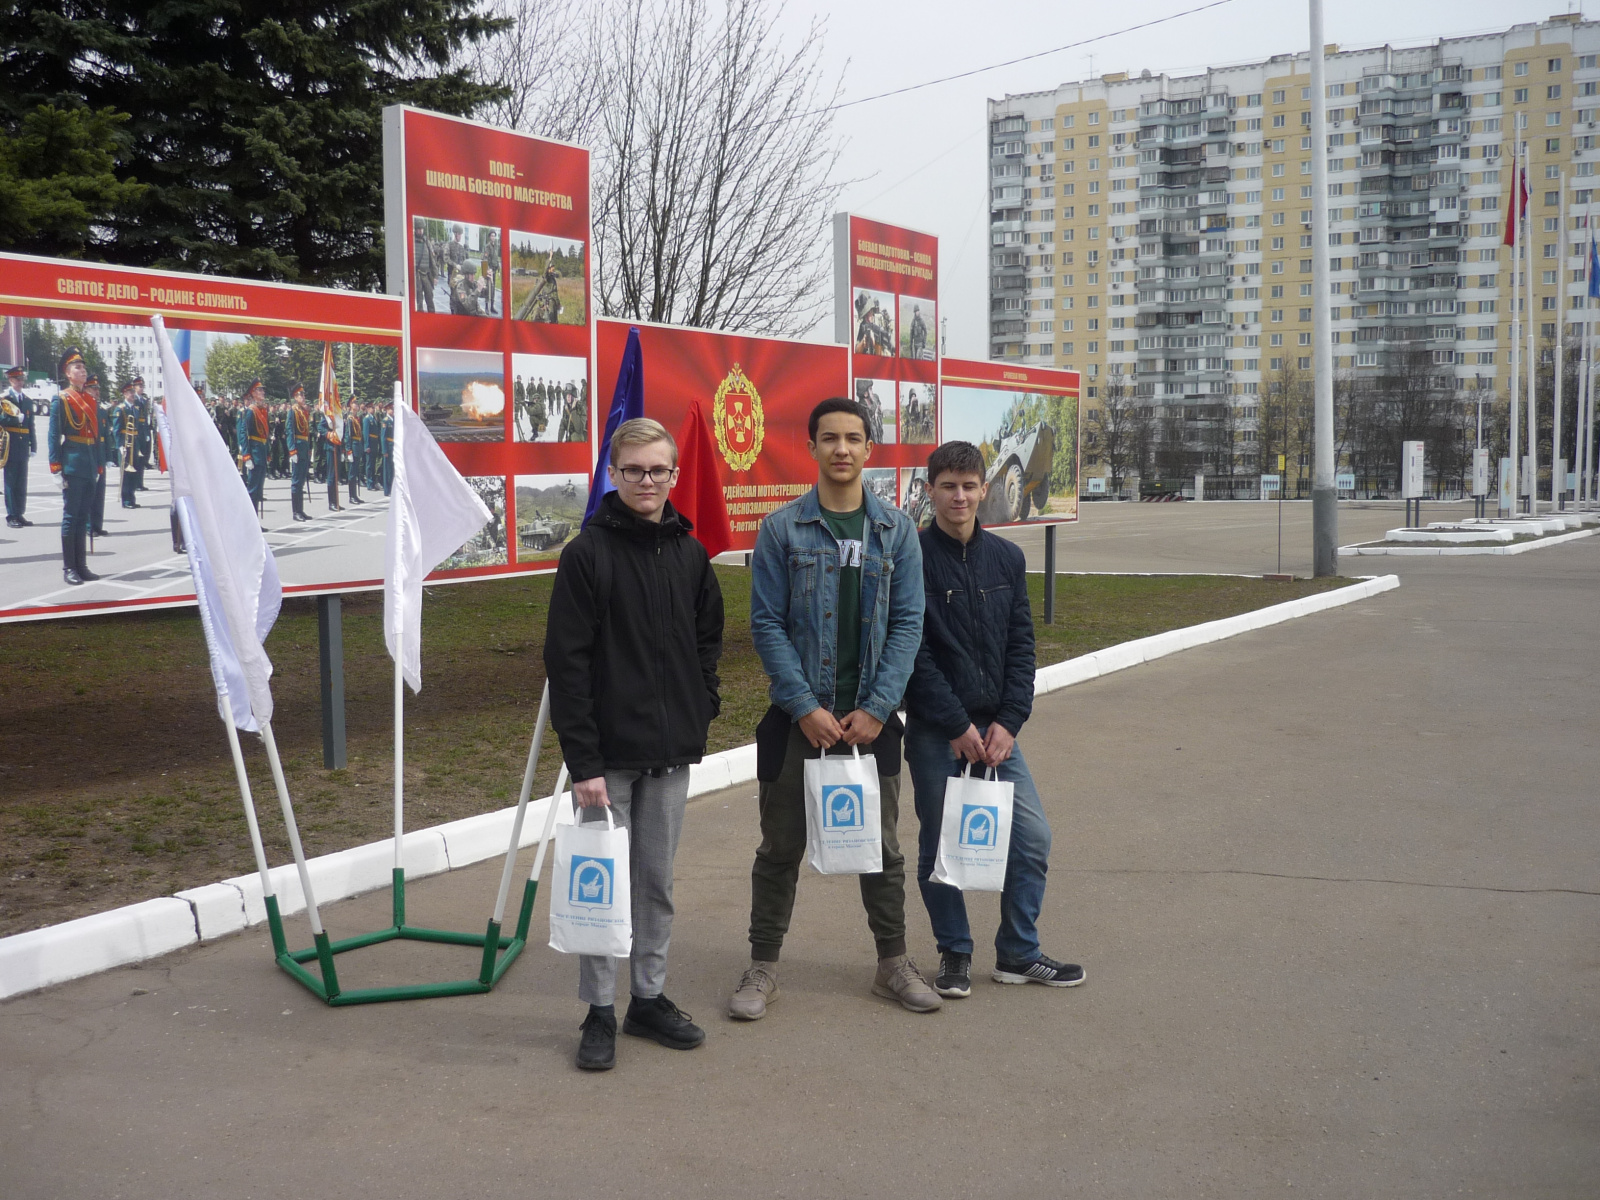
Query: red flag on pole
x,y
698,493
1517,204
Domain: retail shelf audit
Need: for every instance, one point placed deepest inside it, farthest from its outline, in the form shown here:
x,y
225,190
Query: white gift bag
x,y
590,901
843,814
975,835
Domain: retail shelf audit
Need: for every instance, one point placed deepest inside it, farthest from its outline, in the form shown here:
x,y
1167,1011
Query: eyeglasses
x,y
637,474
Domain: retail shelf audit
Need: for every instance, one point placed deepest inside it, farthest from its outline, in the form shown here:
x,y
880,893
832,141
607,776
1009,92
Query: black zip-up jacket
x,y
632,644
976,661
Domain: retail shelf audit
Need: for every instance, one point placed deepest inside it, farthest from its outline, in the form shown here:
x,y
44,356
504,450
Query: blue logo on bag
x,y
591,882
980,826
842,807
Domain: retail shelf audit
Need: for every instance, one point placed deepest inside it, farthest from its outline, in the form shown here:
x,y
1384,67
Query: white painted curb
x,y
1431,551
42,957
1128,654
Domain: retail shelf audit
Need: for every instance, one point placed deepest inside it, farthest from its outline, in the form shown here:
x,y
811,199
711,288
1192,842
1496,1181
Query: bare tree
x,y
1111,426
714,153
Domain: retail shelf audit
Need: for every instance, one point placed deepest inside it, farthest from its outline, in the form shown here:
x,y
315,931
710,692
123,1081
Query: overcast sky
x,y
919,159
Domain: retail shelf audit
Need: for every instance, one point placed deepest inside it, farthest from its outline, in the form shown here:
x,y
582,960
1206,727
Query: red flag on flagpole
x,y
1517,205
698,493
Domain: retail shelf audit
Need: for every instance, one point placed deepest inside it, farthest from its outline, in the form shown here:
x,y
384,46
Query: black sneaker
x,y
660,1020
597,1050
955,974
1043,970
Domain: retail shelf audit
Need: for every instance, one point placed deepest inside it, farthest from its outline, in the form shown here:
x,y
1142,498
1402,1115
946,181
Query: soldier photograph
x,y
372,435
544,388
547,283
916,414
108,455
916,324
254,429
74,446
426,260
299,431
131,427
18,442
330,435
874,323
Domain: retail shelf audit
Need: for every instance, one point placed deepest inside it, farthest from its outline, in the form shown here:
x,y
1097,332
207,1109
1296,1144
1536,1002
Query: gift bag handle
x,y
966,771
577,813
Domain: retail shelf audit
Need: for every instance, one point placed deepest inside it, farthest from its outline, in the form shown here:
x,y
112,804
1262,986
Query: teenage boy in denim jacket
x,y
836,616
970,693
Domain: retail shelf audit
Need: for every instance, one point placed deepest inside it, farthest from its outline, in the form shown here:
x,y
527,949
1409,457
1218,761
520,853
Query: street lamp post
x,y
1324,497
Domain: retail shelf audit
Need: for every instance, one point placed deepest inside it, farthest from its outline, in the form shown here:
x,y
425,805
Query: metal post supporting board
x,y
1049,574
330,658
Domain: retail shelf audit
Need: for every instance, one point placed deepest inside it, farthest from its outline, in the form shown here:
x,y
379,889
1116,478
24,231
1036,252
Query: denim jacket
x,y
794,594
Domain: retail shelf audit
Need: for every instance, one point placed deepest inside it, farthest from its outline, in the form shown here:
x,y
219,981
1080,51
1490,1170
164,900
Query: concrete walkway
x,y
1335,885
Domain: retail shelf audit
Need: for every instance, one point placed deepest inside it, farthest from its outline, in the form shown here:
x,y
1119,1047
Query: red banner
x,y
757,394
71,291
489,242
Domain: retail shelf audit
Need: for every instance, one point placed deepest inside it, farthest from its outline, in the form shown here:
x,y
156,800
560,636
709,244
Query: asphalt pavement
x,y
1334,883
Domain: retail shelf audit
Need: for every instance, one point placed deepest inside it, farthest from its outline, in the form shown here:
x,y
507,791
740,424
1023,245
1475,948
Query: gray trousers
x,y
651,810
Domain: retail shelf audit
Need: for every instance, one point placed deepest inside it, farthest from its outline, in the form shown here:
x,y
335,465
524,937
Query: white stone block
x,y
709,775
72,949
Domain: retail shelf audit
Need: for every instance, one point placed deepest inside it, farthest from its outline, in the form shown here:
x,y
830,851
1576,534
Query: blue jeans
x,y
931,760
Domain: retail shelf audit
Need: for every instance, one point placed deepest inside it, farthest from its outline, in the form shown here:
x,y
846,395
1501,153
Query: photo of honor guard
x,y
969,696
631,650
357,443
329,435
387,446
18,442
372,439
253,430
299,451
426,263
108,455
77,460
836,616
130,424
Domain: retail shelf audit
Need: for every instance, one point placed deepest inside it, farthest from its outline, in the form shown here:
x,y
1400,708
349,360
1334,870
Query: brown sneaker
x,y
758,987
899,979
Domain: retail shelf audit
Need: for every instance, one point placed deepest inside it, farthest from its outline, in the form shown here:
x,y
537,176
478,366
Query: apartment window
x,y
1492,72
1277,173
1519,96
1277,243
1490,100
1552,65
1276,315
1278,218
1304,363
1277,96
1305,143
1367,358
1305,338
1094,142
1275,340
1552,145
1519,69
1553,92
1548,277
1552,118
1280,121
1276,145
1276,292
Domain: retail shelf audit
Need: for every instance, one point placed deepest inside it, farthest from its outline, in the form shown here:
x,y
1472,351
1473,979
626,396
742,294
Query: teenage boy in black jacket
x,y
969,695
631,650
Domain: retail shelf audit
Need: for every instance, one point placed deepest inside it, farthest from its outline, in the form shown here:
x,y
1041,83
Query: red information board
x,y
234,330
489,246
757,394
886,294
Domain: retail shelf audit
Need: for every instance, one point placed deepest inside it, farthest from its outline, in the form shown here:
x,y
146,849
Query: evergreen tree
x,y
256,127
123,372
58,182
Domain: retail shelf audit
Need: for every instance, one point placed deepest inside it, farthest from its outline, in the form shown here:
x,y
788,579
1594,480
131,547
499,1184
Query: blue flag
x,y
627,403
1594,266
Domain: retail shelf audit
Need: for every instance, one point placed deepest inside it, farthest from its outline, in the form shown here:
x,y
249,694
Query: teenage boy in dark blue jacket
x,y
969,695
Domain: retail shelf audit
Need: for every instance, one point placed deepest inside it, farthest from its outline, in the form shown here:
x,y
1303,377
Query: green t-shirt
x,y
848,530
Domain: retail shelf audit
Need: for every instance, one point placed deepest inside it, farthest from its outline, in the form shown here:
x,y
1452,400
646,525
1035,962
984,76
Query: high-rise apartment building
x,y
1155,232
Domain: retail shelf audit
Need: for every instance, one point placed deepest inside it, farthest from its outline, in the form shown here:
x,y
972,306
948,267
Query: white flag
x,y
235,575
432,511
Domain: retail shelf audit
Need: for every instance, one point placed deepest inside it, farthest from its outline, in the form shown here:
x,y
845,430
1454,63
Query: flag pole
x,y
538,859
1514,450
1586,477
399,716
1558,477
1533,360
491,938
330,979
268,895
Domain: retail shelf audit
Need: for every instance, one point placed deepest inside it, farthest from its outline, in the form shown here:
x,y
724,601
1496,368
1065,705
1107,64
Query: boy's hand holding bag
x,y
843,814
591,908
975,835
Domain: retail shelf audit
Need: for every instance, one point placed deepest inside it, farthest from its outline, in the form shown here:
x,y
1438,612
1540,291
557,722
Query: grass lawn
x,y
116,784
